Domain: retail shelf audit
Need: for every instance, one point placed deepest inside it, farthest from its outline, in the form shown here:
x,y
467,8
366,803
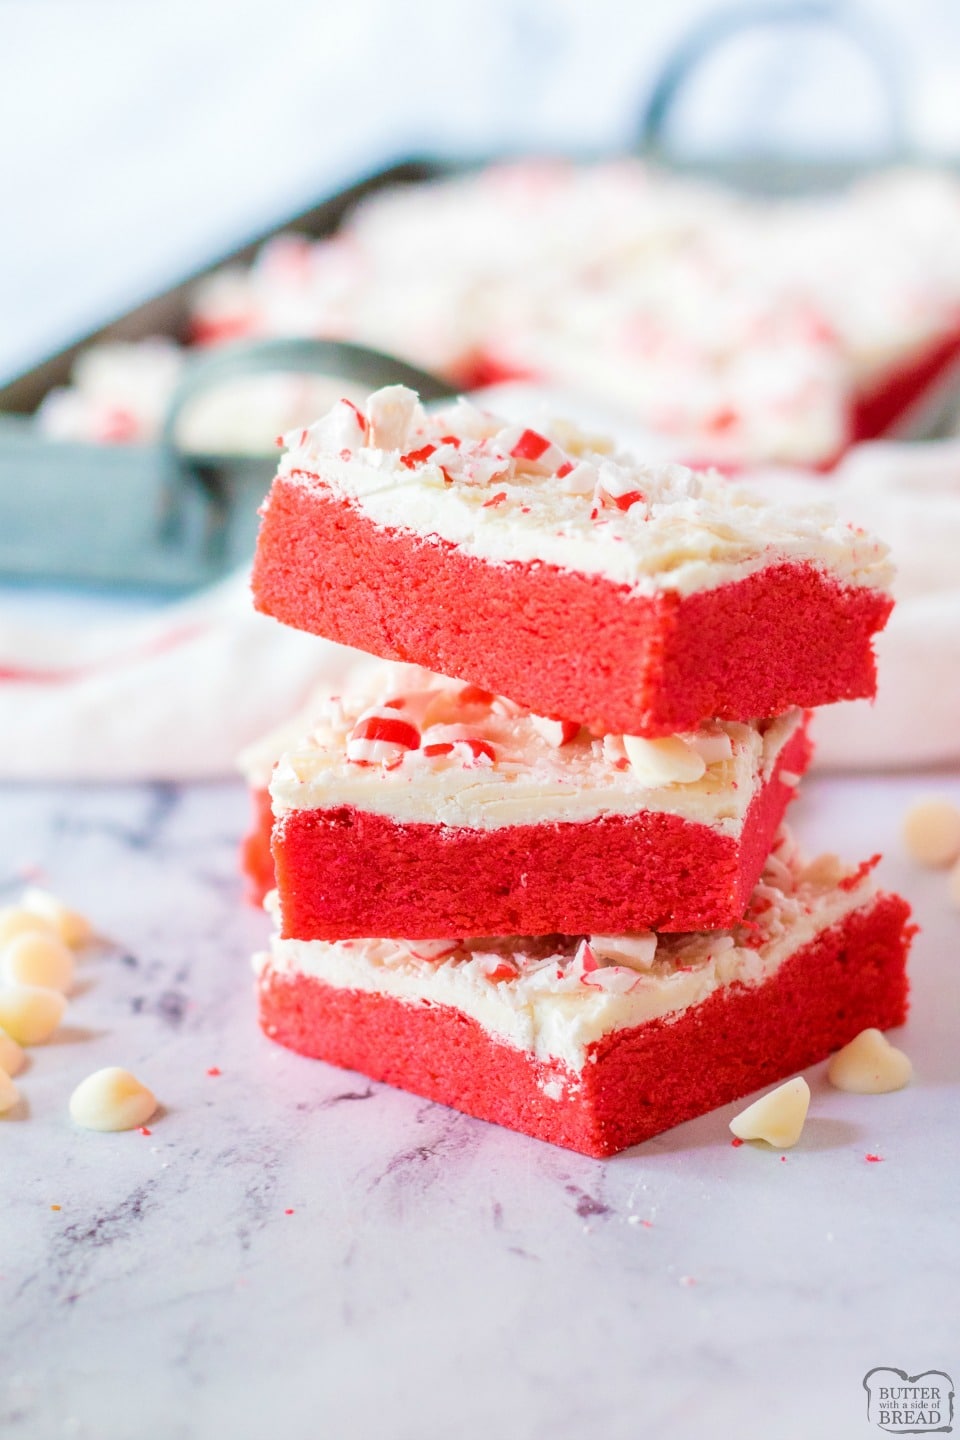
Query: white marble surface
x,y
437,1276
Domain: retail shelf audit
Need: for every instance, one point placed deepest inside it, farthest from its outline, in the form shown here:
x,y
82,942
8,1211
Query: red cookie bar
x,y
256,856
428,808
633,599
599,1044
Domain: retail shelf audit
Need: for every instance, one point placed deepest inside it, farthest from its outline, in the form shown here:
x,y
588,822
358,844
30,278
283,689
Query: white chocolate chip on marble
x,y
36,958
73,928
869,1065
667,761
953,885
18,920
111,1099
778,1117
9,1094
30,1014
931,832
12,1058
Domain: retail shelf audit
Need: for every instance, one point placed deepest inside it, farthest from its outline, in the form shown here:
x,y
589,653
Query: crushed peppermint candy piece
x,y
413,458
342,428
432,949
637,952
556,732
585,960
380,736
532,452
391,413
614,751
457,741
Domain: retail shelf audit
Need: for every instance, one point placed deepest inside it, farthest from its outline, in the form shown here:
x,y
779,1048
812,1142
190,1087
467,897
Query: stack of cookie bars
x,y
534,867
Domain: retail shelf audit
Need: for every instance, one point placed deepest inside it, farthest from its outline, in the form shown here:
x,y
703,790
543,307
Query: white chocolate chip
x,y
869,1065
35,958
9,1094
111,1099
12,1058
73,928
777,1117
636,952
931,832
667,761
824,873
18,920
30,1014
953,885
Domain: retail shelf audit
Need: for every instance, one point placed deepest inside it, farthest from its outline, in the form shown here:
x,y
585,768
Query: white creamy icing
x,y
528,780
555,996
463,476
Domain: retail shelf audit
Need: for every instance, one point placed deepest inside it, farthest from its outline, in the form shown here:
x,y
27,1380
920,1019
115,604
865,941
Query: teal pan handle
x,y
697,46
340,359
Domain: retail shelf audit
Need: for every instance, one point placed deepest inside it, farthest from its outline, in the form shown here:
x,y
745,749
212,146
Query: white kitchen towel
x,y
175,693
170,695
909,495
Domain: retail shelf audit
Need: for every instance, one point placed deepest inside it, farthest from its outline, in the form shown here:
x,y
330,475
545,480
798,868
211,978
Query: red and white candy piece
x,y
391,412
497,968
432,949
614,752
617,488
587,968
636,952
381,736
482,470
584,961
531,452
579,479
458,742
344,427
556,732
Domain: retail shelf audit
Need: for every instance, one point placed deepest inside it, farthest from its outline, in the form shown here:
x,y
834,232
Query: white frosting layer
x,y
527,777
467,477
555,997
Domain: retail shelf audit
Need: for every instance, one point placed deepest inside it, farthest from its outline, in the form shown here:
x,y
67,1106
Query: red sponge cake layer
x,y
636,599
346,872
634,1082
563,643
879,408
256,857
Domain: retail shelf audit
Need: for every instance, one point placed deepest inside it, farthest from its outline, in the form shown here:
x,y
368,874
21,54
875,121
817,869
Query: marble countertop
x,y
294,1251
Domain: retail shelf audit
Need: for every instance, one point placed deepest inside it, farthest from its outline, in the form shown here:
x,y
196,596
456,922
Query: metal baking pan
x,y
154,517
151,516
